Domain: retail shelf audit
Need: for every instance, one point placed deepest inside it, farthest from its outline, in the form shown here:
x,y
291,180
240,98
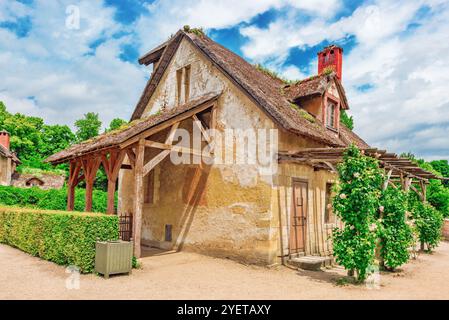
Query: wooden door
x,y
298,223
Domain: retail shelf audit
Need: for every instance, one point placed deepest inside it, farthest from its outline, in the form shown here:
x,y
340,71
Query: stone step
x,y
313,263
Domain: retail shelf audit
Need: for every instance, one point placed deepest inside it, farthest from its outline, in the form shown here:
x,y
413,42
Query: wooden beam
x,y
424,191
131,156
138,196
173,148
161,156
392,184
198,123
168,123
90,168
74,170
112,166
385,185
417,192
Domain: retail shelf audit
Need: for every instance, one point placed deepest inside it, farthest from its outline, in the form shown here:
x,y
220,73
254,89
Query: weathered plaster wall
x,y
224,209
317,232
5,171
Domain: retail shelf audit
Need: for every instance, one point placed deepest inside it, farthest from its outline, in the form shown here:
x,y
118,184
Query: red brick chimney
x,y
4,139
330,57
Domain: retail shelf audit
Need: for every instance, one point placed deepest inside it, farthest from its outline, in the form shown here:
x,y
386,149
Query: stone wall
x,y
43,181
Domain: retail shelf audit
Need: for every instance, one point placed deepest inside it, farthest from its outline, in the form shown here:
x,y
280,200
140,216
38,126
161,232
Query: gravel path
x,y
185,275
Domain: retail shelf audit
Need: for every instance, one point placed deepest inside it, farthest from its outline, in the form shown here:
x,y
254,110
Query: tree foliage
x,y
87,127
33,140
116,124
356,203
347,120
437,192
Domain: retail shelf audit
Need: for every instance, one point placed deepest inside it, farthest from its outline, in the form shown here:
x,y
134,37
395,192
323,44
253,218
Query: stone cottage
x,y
250,210
8,160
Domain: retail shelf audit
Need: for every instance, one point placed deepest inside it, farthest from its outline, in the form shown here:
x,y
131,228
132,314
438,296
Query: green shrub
x,y
52,199
428,221
66,238
396,236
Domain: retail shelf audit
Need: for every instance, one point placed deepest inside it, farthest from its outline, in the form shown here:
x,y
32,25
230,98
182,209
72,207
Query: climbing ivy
x,y
356,204
395,232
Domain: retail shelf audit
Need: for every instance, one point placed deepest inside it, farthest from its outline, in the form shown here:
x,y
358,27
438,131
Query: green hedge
x,y
66,238
52,199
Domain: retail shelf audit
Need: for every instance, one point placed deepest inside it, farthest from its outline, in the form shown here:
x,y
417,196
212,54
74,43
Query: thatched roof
x,y
266,91
116,137
8,154
269,93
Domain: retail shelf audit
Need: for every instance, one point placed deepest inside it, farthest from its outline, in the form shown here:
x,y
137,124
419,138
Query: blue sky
x,y
394,68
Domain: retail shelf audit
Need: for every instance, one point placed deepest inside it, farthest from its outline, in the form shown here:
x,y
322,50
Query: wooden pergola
x,y
400,172
131,144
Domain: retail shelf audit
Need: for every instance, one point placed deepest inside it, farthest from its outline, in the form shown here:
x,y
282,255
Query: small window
x,y
328,213
178,85
149,188
331,111
183,84
187,83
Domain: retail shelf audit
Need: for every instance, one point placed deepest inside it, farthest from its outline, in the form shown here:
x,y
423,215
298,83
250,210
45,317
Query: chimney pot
x,y
331,57
4,139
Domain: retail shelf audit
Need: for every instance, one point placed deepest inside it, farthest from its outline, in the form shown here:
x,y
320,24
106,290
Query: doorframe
x,y
292,212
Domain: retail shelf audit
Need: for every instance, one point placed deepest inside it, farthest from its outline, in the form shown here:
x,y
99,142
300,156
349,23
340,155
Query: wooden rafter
x,y
161,156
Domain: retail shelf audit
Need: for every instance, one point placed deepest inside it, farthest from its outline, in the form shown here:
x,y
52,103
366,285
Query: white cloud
x,y
407,68
53,74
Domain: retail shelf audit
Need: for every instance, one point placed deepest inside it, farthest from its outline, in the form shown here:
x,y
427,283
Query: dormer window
x,y
183,84
331,114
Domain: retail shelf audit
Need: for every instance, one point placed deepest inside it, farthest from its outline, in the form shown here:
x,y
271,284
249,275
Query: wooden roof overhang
x,y
327,158
142,128
111,149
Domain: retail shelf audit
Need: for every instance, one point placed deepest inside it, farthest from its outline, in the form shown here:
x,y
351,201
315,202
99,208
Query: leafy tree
x,y
88,127
347,120
437,194
356,203
55,138
115,124
442,166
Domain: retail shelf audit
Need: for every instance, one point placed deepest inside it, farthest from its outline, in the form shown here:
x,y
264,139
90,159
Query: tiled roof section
x,y
117,137
8,154
266,91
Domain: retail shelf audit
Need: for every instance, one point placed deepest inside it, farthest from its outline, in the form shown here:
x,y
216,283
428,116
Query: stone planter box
x,y
113,257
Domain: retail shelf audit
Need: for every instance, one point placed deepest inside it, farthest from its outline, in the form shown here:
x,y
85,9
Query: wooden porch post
x,y
138,195
90,168
71,188
71,184
112,168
